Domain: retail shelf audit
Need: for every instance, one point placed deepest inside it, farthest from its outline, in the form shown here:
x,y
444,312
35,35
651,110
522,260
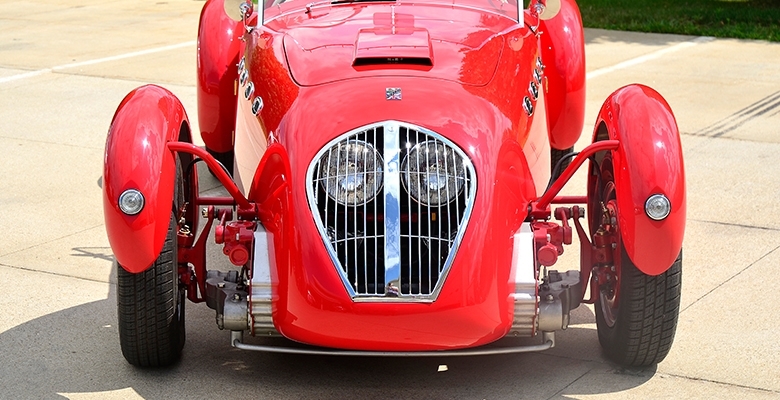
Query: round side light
x,y
131,202
658,207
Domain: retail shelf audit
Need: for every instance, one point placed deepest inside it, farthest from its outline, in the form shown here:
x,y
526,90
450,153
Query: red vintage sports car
x,y
394,170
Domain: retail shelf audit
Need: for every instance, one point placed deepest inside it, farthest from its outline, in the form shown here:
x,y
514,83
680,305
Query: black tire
x,y
226,159
555,156
151,309
636,314
639,332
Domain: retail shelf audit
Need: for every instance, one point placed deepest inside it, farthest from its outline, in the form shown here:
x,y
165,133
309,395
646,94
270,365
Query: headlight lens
x,y
351,172
433,173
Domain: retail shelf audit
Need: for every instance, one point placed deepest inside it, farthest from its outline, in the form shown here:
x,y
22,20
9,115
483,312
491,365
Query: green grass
x,y
741,19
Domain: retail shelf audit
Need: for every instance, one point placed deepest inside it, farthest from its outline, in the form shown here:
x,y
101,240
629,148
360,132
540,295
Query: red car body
x,y
499,91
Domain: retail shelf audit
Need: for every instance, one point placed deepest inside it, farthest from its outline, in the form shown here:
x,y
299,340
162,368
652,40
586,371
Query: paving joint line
x,y
49,241
730,279
645,373
558,393
124,79
17,267
101,148
692,378
764,228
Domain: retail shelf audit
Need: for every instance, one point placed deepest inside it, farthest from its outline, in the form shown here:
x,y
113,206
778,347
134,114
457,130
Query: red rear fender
x,y
563,54
137,158
648,161
219,49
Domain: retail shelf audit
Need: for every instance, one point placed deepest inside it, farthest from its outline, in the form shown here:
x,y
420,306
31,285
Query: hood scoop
x,y
388,44
393,42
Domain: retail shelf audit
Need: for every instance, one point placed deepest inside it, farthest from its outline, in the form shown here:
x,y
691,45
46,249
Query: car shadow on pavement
x,y
76,351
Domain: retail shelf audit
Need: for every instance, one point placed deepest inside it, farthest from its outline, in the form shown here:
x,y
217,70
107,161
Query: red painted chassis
x,y
288,284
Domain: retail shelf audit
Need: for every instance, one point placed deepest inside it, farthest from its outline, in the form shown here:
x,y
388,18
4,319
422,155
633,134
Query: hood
x,y
359,40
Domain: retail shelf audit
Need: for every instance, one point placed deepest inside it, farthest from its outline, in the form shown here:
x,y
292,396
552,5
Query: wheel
x,y
555,156
150,304
636,323
151,310
636,314
226,159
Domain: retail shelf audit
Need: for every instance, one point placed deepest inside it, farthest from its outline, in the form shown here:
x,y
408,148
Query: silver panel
x,y
392,247
524,279
260,291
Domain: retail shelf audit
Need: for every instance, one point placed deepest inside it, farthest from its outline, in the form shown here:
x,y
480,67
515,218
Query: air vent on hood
x,y
394,47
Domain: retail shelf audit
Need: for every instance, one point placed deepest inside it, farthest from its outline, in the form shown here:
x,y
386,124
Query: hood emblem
x,y
393,93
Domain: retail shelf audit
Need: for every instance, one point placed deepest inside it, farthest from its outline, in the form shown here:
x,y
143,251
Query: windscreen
x,y
271,9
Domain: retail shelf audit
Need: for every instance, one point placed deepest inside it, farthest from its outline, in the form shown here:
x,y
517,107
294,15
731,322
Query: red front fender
x,y
137,158
563,54
219,48
648,161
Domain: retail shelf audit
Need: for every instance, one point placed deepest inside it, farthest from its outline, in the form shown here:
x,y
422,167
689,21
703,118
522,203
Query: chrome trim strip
x,y
523,276
549,342
260,287
392,210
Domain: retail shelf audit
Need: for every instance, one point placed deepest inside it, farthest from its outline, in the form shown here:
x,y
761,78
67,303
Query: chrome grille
x,y
391,201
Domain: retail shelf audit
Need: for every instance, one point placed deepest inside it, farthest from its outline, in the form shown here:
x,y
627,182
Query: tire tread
x,y
647,316
150,333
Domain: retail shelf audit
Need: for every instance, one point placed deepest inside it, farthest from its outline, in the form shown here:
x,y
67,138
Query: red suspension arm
x,y
215,167
540,207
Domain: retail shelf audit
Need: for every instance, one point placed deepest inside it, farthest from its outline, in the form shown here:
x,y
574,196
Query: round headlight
x,y
433,173
658,207
131,202
351,172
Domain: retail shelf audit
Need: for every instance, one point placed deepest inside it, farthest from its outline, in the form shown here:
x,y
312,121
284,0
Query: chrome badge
x,y
393,93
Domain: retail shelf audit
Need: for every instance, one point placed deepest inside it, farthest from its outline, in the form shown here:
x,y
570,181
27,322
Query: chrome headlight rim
x,y
131,202
459,176
325,179
658,207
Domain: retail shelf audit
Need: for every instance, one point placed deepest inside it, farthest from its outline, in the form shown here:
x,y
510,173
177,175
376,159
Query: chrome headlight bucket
x,y
433,173
351,172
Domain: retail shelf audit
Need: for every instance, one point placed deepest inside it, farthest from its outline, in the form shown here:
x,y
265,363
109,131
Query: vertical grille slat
x,y
391,201
392,217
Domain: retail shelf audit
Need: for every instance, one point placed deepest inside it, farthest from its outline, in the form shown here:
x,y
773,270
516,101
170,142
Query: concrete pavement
x,y
66,65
